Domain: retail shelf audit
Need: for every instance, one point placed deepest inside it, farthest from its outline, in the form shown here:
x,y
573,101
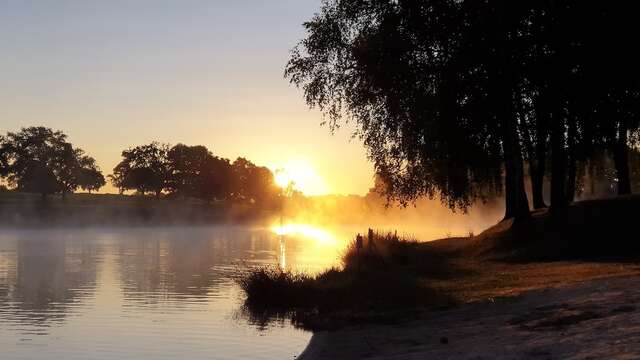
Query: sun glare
x,y
282,178
301,174
321,236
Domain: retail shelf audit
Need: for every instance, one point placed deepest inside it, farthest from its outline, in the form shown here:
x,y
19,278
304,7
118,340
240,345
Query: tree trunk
x,y
542,134
558,161
516,202
621,159
572,161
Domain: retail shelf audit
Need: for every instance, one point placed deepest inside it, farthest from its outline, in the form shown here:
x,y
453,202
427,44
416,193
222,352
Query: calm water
x,y
147,293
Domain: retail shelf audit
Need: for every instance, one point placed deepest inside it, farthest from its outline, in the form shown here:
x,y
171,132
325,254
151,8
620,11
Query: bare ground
x,y
580,317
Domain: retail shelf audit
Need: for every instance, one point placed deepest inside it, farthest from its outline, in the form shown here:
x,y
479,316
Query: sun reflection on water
x,y
320,235
315,248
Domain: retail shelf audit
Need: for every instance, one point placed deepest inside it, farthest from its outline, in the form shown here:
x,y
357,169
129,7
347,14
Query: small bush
x,y
276,288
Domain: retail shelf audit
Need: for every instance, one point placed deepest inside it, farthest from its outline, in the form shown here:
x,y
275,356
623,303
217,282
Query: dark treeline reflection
x,y
46,275
191,264
142,293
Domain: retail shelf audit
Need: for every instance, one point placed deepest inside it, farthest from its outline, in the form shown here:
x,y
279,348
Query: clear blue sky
x,y
112,74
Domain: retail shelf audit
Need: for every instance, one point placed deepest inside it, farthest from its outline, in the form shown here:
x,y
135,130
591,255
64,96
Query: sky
x,y
115,74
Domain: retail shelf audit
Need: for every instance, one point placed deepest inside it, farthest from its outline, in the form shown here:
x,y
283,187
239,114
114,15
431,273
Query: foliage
x,y
143,168
40,160
392,275
193,172
451,97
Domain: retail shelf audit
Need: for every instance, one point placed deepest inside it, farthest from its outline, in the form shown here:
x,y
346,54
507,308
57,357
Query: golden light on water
x,y
313,248
319,235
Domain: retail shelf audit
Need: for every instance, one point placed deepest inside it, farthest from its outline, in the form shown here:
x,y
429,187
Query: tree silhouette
x,y
252,183
215,180
400,70
4,160
196,172
89,176
144,168
40,160
451,97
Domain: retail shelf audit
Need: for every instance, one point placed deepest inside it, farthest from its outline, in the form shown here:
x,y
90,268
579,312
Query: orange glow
x,y
302,175
321,236
283,179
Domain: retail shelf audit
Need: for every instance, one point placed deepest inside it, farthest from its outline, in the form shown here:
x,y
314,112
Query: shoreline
x,y
555,322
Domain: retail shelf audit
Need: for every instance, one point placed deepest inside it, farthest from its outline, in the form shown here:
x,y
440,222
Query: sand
x,y
595,319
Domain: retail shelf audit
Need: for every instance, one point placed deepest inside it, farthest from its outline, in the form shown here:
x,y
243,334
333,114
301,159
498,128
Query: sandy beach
x,y
590,320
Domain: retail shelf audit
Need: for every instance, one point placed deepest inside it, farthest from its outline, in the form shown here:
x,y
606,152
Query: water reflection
x,y
147,293
42,276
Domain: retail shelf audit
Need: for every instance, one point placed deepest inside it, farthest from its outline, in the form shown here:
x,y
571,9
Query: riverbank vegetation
x,y
396,278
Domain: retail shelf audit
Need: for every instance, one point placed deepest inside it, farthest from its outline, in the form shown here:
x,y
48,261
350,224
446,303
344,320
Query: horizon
x,y
174,73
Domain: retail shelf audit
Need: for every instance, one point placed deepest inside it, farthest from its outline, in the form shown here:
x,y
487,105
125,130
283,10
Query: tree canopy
x,y
41,160
193,172
451,97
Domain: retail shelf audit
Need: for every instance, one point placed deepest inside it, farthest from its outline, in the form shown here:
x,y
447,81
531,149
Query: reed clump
x,y
380,272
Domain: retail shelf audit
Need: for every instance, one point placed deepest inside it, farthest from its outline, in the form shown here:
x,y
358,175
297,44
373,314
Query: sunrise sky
x,y
113,74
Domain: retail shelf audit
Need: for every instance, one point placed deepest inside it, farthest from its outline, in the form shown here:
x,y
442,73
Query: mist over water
x,y
169,291
425,220
138,293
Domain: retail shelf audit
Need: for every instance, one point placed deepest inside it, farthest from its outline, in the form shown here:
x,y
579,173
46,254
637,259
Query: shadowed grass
x,y
388,275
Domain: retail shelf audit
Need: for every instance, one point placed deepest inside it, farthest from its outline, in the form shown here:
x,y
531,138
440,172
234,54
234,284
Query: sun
x,y
301,175
282,178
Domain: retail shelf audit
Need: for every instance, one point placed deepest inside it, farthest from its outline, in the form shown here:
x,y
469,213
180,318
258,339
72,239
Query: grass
x,y
396,278
378,279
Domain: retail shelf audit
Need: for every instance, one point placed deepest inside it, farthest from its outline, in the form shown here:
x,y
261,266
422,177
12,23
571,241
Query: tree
x,y
4,161
252,183
144,168
89,177
215,180
68,168
38,159
37,177
450,97
404,72
186,164
196,172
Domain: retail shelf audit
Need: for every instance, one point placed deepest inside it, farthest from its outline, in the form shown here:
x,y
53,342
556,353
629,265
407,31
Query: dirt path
x,y
592,320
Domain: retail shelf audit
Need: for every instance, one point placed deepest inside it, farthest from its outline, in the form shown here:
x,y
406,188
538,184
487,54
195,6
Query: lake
x,y
161,293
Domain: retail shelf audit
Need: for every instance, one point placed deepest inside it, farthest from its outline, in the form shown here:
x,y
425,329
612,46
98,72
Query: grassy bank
x,y
396,279
384,276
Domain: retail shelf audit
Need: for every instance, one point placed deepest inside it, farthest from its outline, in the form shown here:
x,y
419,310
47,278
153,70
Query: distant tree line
x,y
41,160
464,98
193,171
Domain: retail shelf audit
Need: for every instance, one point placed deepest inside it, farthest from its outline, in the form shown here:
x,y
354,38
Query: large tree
x,y
143,168
196,172
404,72
40,160
252,183
89,176
452,97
